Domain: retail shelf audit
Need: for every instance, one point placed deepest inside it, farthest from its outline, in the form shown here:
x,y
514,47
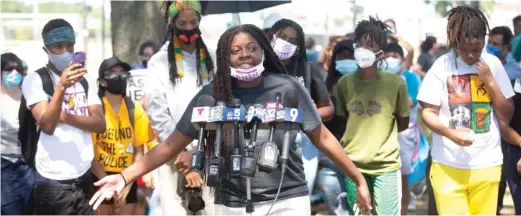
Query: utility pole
x,y
85,32
35,20
103,36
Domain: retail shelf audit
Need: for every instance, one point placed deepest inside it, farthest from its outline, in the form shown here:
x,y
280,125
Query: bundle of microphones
x,y
279,114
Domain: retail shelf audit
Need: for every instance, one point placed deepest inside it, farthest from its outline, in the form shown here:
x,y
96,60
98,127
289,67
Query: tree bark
x,y
134,22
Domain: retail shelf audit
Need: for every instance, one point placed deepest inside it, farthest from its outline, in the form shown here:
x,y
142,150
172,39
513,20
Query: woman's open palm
x,y
109,187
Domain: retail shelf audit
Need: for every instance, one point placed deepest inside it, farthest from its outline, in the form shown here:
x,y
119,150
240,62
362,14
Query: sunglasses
x,y
113,75
11,68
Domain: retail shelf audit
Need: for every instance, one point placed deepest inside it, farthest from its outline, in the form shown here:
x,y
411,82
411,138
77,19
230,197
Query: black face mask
x,y
117,86
187,36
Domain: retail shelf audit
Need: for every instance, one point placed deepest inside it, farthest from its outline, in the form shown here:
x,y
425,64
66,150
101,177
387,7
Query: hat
x,y
111,62
180,5
271,20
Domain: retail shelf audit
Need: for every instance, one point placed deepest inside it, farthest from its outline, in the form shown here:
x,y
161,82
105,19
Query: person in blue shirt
x,y
146,50
499,44
394,63
311,52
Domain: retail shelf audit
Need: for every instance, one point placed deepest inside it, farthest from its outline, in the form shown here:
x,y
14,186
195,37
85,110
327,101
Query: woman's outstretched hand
x,y
109,187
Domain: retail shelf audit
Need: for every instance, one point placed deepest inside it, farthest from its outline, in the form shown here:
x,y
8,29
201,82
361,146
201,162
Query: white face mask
x,y
250,74
365,58
282,48
392,65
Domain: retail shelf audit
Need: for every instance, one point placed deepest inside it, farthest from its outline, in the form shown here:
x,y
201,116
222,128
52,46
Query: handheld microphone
x,y
249,162
236,157
290,100
200,117
216,115
268,155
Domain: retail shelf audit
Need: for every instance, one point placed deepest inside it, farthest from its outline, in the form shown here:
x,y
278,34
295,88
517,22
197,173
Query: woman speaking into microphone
x,y
249,70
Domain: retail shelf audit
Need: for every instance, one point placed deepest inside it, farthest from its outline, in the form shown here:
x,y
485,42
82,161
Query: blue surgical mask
x,y
493,50
346,66
462,63
393,65
60,61
12,80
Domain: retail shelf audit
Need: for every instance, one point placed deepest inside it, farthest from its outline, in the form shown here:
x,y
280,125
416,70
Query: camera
x,y
191,196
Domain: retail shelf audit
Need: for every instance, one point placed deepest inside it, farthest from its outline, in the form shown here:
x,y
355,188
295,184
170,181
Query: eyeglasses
x,y
113,75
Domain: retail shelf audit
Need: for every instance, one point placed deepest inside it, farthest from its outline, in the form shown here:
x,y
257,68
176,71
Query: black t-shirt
x,y
515,123
318,89
426,60
232,191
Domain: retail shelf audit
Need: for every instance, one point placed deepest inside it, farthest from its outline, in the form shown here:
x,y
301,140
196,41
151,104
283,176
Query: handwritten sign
x,y
136,84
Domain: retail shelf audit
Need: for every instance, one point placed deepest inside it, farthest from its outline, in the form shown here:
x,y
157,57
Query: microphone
x,y
249,162
290,100
236,157
269,153
256,118
216,115
199,118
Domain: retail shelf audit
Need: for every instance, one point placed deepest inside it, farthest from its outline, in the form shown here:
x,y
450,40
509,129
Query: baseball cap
x,y
111,62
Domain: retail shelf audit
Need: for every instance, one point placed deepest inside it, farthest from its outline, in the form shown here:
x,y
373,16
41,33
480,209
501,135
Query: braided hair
x,y
375,29
465,22
300,59
199,44
222,82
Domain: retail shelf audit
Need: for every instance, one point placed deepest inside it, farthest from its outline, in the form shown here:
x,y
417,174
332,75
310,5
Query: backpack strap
x,y
85,86
47,83
130,109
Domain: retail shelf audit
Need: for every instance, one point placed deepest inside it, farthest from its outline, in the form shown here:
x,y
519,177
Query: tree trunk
x,y
475,4
134,22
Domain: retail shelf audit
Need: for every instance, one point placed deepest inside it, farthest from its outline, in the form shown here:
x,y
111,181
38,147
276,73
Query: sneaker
x,y
412,204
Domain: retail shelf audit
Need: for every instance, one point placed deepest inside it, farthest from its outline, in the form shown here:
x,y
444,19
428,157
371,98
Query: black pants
x,y
431,205
69,197
503,181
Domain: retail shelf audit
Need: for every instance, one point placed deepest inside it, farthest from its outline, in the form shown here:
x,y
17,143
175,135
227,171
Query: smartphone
x,y
79,58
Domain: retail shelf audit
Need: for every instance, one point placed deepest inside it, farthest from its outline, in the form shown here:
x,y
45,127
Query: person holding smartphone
x,y
66,119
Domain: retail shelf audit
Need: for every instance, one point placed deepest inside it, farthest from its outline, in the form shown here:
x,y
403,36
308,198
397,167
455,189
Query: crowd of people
x,y
84,147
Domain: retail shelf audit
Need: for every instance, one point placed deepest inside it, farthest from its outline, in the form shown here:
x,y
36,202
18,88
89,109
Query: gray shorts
x,y
407,140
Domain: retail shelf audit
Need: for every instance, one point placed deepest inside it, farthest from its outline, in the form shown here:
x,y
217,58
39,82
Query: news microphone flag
x,y
200,114
216,113
293,115
233,114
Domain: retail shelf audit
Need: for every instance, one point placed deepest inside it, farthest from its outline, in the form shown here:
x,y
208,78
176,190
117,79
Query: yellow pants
x,y
465,191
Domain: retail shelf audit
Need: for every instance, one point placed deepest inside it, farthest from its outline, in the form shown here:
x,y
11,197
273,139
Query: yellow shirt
x,y
114,148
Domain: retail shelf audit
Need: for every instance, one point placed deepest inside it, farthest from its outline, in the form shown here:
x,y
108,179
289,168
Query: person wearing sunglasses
x,y
17,176
127,128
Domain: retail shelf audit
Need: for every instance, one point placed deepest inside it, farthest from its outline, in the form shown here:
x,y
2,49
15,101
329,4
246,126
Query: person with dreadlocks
x,y
466,97
176,73
249,70
288,42
378,107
